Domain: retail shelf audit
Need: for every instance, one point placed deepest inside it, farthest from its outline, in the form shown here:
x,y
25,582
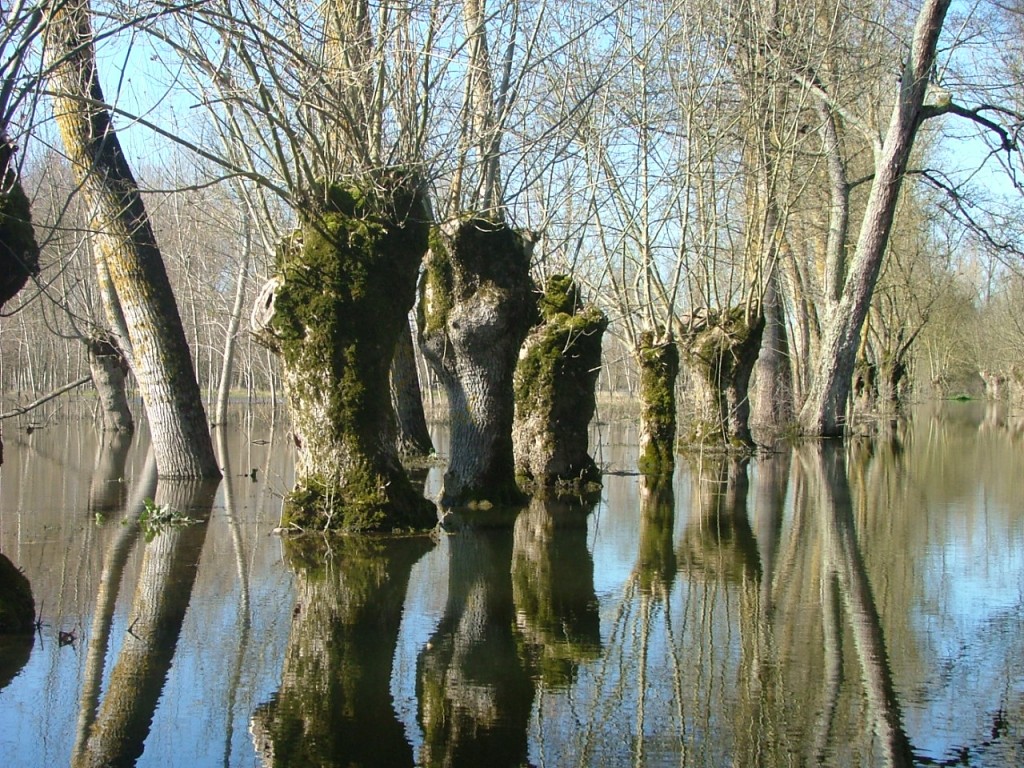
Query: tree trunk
x,y
227,366
658,358
554,393
17,608
772,394
19,252
344,286
109,369
125,245
477,306
334,705
722,348
824,411
413,436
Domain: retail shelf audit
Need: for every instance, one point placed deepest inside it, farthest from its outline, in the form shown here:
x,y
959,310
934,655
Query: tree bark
x,y
344,286
658,358
824,411
230,337
126,247
109,369
19,252
477,306
722,348
413,436
772,394
554,393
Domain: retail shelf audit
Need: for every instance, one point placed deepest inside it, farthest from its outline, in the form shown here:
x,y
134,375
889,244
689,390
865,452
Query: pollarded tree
x,y
126,251
334,134
477,298
554,392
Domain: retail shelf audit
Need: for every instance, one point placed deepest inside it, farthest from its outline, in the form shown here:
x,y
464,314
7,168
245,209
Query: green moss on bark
x,y
346,284
658,359
554,393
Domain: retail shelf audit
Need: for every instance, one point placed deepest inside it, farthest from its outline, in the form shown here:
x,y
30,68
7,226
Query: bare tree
x,y
141,300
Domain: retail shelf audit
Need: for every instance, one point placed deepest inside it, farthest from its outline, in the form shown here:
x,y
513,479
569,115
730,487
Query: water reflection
x,y
553,590
474,688
833,606
334,705
118,733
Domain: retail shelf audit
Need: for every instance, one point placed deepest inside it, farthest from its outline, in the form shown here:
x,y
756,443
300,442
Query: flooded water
x,y
854,605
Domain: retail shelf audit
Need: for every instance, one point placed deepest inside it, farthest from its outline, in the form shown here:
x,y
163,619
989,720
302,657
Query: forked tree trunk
x,y
344,286
824,411
554,393
413,436
477,306
109,369
126,247
658,359
722,348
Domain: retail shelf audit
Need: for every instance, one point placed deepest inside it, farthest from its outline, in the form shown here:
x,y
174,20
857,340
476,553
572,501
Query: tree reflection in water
x,y
118,733
334,705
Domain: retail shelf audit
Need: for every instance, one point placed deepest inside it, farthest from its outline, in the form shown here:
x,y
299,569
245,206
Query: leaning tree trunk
x,y
554,393
824,411
476,308
413,436
109,369
658,358
721,349
126,247
344,286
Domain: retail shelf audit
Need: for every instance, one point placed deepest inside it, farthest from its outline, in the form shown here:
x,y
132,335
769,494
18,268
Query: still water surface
x,y
827,605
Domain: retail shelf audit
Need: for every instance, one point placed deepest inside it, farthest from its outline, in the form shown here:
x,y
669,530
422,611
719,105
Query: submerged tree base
x,y
554,395
17,608
345,283
658,358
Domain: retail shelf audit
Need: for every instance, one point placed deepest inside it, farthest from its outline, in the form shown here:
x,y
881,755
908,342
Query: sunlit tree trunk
x,y
341,297
125,246
554,392
824,411
477,305
658,359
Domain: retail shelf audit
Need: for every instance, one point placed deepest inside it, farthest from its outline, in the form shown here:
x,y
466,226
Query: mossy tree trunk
x,y
413,438
721,349
554,392
658,359
477,306
109,369
345,283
